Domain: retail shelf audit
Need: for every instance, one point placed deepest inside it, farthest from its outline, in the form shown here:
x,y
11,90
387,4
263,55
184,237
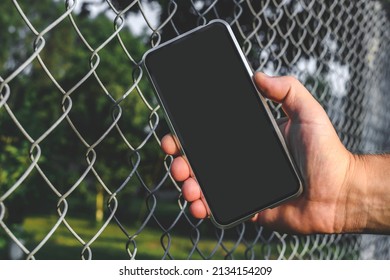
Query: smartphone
x,y
222,124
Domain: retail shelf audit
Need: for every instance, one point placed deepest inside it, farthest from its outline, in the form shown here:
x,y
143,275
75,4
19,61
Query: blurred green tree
x,y
37,103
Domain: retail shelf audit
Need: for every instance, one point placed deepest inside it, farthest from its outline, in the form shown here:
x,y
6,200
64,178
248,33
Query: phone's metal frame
x,y
266,107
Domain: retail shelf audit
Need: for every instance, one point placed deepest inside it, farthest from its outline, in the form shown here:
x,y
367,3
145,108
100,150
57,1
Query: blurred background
x,y
82,174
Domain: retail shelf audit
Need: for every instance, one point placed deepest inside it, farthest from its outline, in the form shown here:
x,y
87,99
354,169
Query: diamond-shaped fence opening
x,y
82,174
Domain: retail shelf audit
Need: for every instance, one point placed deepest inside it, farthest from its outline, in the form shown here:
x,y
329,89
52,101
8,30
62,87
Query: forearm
x,y
370,181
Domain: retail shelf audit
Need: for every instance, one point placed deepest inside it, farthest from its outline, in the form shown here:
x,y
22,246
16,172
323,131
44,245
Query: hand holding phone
x,y
222,124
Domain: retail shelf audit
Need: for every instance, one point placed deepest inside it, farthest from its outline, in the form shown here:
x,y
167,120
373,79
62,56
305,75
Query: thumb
x,y
297,102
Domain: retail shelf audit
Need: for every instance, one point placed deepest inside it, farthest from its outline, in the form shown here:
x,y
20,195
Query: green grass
x,y
111,244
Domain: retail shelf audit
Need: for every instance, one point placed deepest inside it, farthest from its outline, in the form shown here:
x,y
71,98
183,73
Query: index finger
x,y
169,146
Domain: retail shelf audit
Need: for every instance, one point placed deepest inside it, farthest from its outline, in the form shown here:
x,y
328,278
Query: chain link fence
x,y
80,128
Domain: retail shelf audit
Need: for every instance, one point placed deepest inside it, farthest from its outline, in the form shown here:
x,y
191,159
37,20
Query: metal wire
x,y
338,49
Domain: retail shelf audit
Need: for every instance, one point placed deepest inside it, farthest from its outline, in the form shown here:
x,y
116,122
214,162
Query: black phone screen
x,y
221,123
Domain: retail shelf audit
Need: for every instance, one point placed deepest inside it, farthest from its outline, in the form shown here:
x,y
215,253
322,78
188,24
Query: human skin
x,y
343,192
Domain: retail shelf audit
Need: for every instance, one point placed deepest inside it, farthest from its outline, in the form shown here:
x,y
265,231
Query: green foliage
x,y
3,246
37,104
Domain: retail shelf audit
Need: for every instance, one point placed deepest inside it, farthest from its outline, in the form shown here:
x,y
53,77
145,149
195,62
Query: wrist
x,y
367,194
354,202
377,183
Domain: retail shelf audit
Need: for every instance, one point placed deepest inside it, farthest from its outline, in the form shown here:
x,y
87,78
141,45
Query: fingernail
x,y
263,75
